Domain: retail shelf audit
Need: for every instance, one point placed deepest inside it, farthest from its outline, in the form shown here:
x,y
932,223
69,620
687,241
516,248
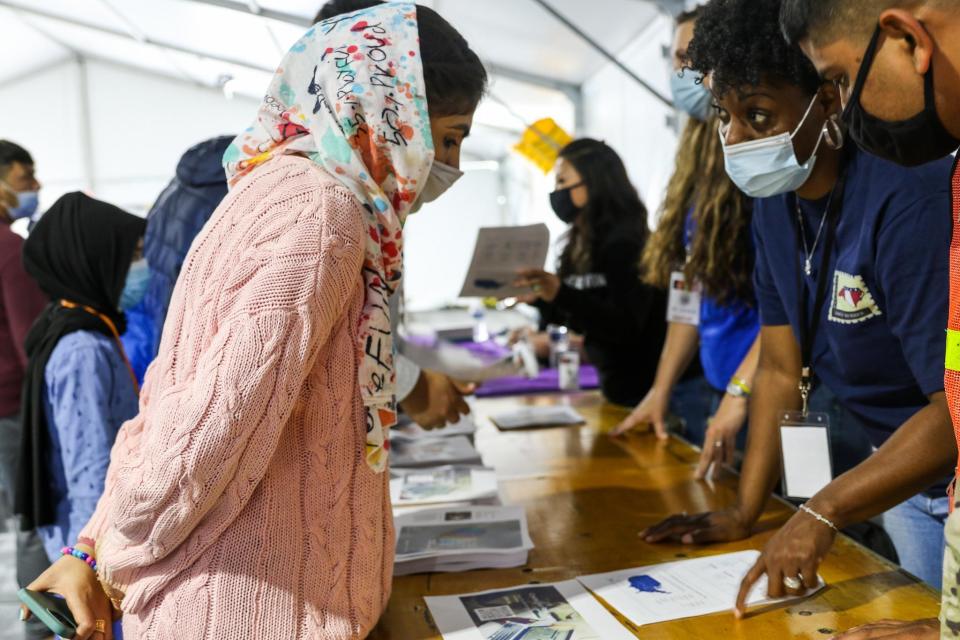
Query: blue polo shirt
x,y
880,345
727,331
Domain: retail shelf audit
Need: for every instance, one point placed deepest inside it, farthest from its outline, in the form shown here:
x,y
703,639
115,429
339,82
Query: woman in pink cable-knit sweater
x,y
249,498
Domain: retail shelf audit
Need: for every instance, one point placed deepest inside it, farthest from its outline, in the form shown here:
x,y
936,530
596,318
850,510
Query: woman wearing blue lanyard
x,y
851,265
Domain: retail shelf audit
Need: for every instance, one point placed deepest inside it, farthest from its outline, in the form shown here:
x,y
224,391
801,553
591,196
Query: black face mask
x,y
563,205
921,139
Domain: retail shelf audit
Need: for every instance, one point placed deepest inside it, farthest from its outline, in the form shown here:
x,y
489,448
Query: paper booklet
x,y
682,589
499,253
533,417
561,611
432,452
412,431
437,485
461,539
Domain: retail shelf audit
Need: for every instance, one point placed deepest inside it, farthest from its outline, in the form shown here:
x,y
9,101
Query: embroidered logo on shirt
x,y
852,301
586,281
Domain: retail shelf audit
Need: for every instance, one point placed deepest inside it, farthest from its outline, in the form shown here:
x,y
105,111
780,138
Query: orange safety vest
x,y
951,378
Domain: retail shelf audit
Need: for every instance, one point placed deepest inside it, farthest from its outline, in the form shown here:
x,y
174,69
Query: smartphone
x,y
51,611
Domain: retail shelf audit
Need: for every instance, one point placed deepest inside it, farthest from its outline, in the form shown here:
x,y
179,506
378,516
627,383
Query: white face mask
x,y
442,177
769,166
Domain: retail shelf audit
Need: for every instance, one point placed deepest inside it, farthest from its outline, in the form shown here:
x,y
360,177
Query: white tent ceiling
x,y
208,41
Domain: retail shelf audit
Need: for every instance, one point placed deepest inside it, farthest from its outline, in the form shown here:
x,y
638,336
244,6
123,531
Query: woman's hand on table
x,y
652,410
702,528
794,552
928,629
720,442
78,584
545,285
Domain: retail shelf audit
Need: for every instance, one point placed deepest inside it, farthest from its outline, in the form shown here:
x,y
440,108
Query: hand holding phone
x,y
51,611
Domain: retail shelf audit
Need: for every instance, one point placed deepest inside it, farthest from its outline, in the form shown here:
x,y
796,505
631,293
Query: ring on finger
x,y
718,444
792,583
100,626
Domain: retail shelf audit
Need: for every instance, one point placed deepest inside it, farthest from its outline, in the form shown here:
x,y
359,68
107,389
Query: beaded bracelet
x,y
80,555
810,512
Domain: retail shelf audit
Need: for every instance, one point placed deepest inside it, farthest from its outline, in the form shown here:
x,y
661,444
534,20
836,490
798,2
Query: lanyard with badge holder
x,y
683,299
804,435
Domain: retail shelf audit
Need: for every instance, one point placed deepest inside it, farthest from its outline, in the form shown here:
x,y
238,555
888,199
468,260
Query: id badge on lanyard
x,y
805,435
683,304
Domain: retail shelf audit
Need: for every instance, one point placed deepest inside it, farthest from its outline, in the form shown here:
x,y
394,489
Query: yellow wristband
x,y
740,384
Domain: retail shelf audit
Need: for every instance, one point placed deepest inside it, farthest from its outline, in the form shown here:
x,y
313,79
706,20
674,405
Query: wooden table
x,y
586,498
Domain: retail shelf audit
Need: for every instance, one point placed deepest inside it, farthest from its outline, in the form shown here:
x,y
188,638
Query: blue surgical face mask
x,y
691,95
27,202
136,287
769,166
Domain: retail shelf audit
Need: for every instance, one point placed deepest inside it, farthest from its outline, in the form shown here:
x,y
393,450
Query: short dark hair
x,y
739,42
828,20
455,78
11,152
688,16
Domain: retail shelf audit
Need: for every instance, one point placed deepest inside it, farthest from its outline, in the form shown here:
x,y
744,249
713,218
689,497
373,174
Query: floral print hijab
x,y
350,95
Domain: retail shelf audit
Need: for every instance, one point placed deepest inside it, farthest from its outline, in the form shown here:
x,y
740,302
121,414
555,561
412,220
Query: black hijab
x,y
79,252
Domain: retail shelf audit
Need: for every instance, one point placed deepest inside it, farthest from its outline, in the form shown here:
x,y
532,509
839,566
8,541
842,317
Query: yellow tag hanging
x,y
541,143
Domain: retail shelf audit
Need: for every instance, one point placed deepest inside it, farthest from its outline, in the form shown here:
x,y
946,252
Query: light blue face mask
x,y
136,287
690,94
27,203
769,166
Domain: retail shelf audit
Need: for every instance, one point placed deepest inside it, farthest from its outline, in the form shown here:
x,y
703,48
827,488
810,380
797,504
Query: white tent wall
x,y
122,142
631,120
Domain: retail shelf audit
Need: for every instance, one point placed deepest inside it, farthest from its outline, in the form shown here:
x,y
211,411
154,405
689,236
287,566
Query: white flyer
x,y
560,611
682,589
499,253
531,417
443,485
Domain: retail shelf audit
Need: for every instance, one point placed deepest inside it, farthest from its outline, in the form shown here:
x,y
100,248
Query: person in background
x,y
895,62
172,224
21,302
597,290
430,398
704,232
250,497
79,385
851,265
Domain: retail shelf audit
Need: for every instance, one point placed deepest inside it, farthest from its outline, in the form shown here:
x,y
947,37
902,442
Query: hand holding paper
x,y
794,552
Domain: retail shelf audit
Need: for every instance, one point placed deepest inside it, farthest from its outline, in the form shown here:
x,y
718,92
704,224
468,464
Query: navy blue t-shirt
x,y
880,345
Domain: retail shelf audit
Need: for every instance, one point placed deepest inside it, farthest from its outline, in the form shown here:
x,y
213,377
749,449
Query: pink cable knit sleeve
x,y
201,446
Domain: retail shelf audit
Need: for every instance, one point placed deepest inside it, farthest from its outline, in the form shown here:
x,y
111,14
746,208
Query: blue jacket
x,y
174,221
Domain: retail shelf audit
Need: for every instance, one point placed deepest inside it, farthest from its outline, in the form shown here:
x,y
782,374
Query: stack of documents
x,y
536,417
455,539
433,452
412,431
438,485
562,611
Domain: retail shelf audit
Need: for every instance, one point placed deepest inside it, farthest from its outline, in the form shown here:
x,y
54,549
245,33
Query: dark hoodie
x,y
174,221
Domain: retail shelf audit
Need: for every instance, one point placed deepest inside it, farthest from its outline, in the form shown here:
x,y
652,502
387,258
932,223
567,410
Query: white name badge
x,y
683,305
805,451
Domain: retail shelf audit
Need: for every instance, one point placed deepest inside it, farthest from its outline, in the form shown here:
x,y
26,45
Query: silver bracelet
x,y
810,512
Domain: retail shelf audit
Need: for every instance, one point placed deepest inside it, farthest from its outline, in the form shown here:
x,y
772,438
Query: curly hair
x,y
721,255
614,206
739,44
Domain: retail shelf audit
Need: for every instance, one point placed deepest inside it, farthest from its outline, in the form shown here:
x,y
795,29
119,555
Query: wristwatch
x,y
738,388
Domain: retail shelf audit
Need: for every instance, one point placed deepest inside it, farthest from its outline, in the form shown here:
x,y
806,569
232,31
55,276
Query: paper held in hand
x,y
683,589
499,253
561,611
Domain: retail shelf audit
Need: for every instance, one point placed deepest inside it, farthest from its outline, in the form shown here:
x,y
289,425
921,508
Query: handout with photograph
x,y
682,589
433,451
460,539
534,417
410,430
437,485
499,254
561,611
